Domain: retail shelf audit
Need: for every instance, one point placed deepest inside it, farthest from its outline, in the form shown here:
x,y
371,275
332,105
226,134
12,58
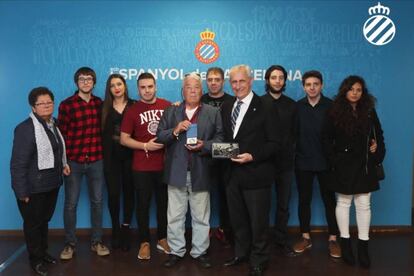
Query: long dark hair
x,y
109,98
344,116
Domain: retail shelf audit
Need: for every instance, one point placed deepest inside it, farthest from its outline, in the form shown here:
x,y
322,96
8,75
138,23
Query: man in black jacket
x,y
215,97
284,117
247,121
311,162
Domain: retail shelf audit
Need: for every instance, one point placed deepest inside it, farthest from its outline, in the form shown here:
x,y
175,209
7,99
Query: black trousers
x,y
118,177
218,183
283,185
36,215
249,214
304,180
145,184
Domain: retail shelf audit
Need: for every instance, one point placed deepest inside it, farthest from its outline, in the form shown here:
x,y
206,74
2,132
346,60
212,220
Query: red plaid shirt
x,y
80,124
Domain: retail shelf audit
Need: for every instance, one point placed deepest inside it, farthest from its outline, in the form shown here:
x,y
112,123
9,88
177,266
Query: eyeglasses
x,y
43,104
85,80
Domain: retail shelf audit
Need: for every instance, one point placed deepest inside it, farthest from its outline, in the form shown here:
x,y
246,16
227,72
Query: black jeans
x,y
283,184
249,214
304,181
118,176
145,183
36,215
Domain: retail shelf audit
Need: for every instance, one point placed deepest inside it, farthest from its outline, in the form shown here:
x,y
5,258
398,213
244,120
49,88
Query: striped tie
x,y
235,114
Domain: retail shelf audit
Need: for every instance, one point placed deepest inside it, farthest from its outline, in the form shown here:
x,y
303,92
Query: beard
x,y
274,91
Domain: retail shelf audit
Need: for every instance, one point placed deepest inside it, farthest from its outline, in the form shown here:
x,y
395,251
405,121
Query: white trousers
x,y
363,214
178,201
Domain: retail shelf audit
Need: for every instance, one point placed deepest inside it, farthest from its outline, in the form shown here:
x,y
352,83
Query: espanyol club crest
x,y
207,51
379,28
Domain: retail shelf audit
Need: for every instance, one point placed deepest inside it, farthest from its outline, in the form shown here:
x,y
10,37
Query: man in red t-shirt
x,y
138,131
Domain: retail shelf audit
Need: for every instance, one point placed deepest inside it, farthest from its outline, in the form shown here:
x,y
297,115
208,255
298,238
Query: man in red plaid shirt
x,y
80,123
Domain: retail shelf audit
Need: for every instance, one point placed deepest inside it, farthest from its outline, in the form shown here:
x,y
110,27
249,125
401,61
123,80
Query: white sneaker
x,y
100,249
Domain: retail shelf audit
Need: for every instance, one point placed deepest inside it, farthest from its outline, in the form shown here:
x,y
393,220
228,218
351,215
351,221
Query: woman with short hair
x,y
37,163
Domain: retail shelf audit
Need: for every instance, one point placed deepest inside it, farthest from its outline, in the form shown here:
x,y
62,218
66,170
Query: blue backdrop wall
x,y
43,43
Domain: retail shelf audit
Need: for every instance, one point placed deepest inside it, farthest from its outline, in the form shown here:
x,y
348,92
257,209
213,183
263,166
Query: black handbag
x,y
379,168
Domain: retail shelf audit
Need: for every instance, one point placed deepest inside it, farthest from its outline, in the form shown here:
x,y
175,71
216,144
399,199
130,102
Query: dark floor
x,y
391,254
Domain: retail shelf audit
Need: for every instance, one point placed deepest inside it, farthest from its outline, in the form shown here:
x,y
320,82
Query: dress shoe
x,y
256,271
40,269
204,261
49,259
235,261
286,250
172,260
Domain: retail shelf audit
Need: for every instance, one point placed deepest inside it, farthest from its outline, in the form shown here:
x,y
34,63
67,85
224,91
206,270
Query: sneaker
x,y
67,252
100,249
144,251
334,249
302,245
163,246
221,237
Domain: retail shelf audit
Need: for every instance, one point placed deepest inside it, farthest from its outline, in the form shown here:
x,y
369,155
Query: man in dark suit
x,y
247,121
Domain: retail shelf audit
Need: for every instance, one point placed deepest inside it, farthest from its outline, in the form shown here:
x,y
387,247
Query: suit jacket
x,y
209,129
256,136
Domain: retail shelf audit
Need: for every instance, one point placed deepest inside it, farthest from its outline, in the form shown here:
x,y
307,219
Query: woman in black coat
x,y
117,160
37,163
354,145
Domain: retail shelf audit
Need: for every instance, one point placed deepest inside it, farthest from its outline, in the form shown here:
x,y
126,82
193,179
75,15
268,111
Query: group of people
x,y
140,149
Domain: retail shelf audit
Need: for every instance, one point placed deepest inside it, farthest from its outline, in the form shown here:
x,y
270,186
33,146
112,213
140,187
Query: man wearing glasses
x,y
80,123
186,169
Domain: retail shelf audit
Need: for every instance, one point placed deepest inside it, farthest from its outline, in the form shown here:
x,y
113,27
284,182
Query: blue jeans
x,y
178,201
95,181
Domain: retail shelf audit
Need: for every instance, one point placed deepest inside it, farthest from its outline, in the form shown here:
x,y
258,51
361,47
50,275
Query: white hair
x,y
193,75
241,68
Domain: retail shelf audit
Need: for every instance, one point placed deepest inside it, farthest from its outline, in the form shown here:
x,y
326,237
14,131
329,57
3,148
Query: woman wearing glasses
x,y
37,163
117,160
354,145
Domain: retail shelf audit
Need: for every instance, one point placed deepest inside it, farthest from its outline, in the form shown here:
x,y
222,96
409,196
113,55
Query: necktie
x,y
235,114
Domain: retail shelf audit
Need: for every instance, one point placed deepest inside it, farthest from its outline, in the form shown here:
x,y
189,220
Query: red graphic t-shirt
x,y
141,122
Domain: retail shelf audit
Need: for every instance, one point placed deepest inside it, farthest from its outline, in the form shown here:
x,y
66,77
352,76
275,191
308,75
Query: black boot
x,y
346,249
125,237
363,256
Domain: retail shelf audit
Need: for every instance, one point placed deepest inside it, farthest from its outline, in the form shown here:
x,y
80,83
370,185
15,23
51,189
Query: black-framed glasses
x,y
85,80
43,104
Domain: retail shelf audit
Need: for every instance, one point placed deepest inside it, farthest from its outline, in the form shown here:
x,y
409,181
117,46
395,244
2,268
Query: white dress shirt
x,y
243,109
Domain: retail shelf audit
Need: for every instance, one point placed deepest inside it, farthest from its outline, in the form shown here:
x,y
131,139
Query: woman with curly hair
x,y
354,145
117,160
